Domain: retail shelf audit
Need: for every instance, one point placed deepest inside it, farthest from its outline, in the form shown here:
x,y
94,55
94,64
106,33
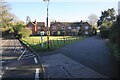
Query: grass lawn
x,y
55,42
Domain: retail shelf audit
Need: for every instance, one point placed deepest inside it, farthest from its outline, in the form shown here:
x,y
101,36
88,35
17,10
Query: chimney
x,y
35,22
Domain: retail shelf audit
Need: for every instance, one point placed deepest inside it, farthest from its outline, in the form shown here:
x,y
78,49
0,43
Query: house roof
x,y
42,24
73,24
86,23
67,23
76,24
30,23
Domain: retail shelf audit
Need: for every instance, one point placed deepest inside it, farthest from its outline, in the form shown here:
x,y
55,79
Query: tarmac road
x,y
92,53
18,62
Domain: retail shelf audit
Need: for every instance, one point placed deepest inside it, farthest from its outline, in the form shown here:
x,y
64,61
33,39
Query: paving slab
x,y
60,66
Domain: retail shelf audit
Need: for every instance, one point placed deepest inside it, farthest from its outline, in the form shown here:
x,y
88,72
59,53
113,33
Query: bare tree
x,y
93,19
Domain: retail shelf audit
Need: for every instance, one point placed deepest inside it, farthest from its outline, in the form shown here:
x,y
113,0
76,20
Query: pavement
x,y
88,56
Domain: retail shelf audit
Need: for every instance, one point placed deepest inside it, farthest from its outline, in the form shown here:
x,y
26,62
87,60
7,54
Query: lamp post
x,y
48,33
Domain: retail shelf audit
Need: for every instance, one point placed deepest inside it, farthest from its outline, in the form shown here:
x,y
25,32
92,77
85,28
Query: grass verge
x,y
55,42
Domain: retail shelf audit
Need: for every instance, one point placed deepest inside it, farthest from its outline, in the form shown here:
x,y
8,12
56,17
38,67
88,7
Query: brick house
x,y
61,28
70,28
37,27
57,28
86,28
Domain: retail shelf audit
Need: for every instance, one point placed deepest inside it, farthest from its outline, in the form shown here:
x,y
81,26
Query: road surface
x,y
18,62
92,53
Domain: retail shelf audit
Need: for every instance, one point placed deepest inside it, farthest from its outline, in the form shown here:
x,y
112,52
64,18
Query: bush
x,y
115,32
115,38
25,32
18,36
104,33
115,50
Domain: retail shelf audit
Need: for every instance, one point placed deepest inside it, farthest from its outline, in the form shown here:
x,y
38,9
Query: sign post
x,y
42,33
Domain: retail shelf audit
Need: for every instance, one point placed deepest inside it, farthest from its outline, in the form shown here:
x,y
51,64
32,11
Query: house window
x,y
78,28
69,28
54,33
58,24
38,32
54,27
63,28
86,27
86,32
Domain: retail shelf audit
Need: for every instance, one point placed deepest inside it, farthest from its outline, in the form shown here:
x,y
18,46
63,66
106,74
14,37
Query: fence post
x,y
39,43
33,41
57,43
64,40
50,41
53,43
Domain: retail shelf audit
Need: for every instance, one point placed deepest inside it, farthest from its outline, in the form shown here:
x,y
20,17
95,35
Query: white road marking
x,y
6,68
5,61
22,54
0,76
35,59
37,74
4,42
21,49
28,55
14,48
2,61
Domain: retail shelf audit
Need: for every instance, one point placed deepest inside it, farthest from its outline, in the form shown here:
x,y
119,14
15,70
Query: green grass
x,y
55,42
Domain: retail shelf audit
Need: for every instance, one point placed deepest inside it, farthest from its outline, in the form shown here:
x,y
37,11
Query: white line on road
x,y
28,54
6,68
2,61
37,74
35,59
14,50
4,42
0,76
22,54
28,57
5,61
